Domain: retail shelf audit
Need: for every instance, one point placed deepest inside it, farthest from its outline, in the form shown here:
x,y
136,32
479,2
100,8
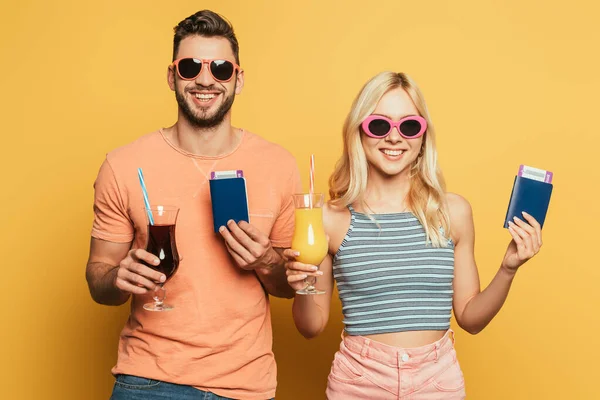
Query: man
x,y
217,340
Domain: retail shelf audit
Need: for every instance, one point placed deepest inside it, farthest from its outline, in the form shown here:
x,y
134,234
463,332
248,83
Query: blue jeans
x,y
129,387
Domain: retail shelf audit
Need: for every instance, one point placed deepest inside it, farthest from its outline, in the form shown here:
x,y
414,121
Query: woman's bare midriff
x,y
408,339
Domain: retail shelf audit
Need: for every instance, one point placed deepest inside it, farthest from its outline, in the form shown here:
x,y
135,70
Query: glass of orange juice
x,y
309,239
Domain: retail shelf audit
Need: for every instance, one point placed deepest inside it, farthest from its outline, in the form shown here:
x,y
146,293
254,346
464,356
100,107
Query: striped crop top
x,y
389,279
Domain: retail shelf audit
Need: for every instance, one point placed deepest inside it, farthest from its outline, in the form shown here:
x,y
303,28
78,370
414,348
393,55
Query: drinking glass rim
x,y
308,194
164,208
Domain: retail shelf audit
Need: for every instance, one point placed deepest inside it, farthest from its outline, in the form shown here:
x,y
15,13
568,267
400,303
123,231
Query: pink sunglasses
x,y
378,126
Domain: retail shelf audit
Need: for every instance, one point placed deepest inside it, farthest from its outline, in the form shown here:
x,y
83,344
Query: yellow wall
x,y
507,82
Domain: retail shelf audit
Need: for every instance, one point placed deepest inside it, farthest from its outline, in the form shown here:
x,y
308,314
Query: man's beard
x,y
202,120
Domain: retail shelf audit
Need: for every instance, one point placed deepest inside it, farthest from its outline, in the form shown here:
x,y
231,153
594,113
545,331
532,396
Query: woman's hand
x,y
526,243
296,271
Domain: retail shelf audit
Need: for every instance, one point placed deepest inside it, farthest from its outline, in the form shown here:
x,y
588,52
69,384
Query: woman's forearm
x,y
484,306
310,318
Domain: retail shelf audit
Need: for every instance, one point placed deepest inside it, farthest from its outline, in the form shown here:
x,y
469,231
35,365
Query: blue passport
x,y
229,200
531,196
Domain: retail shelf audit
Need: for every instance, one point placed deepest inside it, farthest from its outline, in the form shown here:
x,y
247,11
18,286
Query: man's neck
x,y
209,142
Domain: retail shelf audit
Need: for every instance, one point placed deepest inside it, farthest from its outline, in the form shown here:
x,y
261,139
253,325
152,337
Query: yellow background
x,y
507,82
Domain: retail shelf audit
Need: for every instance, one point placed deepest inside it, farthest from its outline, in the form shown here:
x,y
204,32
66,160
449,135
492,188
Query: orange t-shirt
x,y
218,337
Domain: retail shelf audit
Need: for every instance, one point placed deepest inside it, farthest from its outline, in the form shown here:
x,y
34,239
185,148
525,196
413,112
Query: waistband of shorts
x,y
398,356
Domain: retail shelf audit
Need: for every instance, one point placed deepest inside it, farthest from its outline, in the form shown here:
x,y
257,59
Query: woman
x,y
401,250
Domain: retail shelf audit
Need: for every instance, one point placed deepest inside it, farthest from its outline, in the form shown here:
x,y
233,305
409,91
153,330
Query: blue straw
x,y
145,193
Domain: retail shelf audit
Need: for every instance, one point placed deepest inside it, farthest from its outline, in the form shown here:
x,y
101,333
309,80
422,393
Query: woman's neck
x,y
386,194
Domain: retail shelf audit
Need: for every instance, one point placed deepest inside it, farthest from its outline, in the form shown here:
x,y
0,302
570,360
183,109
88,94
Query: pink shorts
x,y
367,369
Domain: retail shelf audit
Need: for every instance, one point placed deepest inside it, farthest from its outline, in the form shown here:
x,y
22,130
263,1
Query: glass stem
x,y
160,294
310,282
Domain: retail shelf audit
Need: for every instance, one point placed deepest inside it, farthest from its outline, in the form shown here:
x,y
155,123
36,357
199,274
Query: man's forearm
x,y
273,277
100,278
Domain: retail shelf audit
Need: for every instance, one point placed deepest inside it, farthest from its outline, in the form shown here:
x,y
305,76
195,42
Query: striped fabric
x,y
389,279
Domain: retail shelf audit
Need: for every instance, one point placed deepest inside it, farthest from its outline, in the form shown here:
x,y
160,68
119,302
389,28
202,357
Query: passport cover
x,y
530,196
229,201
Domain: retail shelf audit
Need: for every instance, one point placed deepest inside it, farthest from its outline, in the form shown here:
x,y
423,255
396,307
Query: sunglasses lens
x,y
222,70
410,127
189,68
379,127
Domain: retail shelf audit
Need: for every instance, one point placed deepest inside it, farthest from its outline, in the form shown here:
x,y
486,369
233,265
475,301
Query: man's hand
x,y
250,248
136,278
114,272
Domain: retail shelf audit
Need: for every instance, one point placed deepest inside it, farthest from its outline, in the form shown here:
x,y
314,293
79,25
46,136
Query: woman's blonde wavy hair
x,y
426,196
